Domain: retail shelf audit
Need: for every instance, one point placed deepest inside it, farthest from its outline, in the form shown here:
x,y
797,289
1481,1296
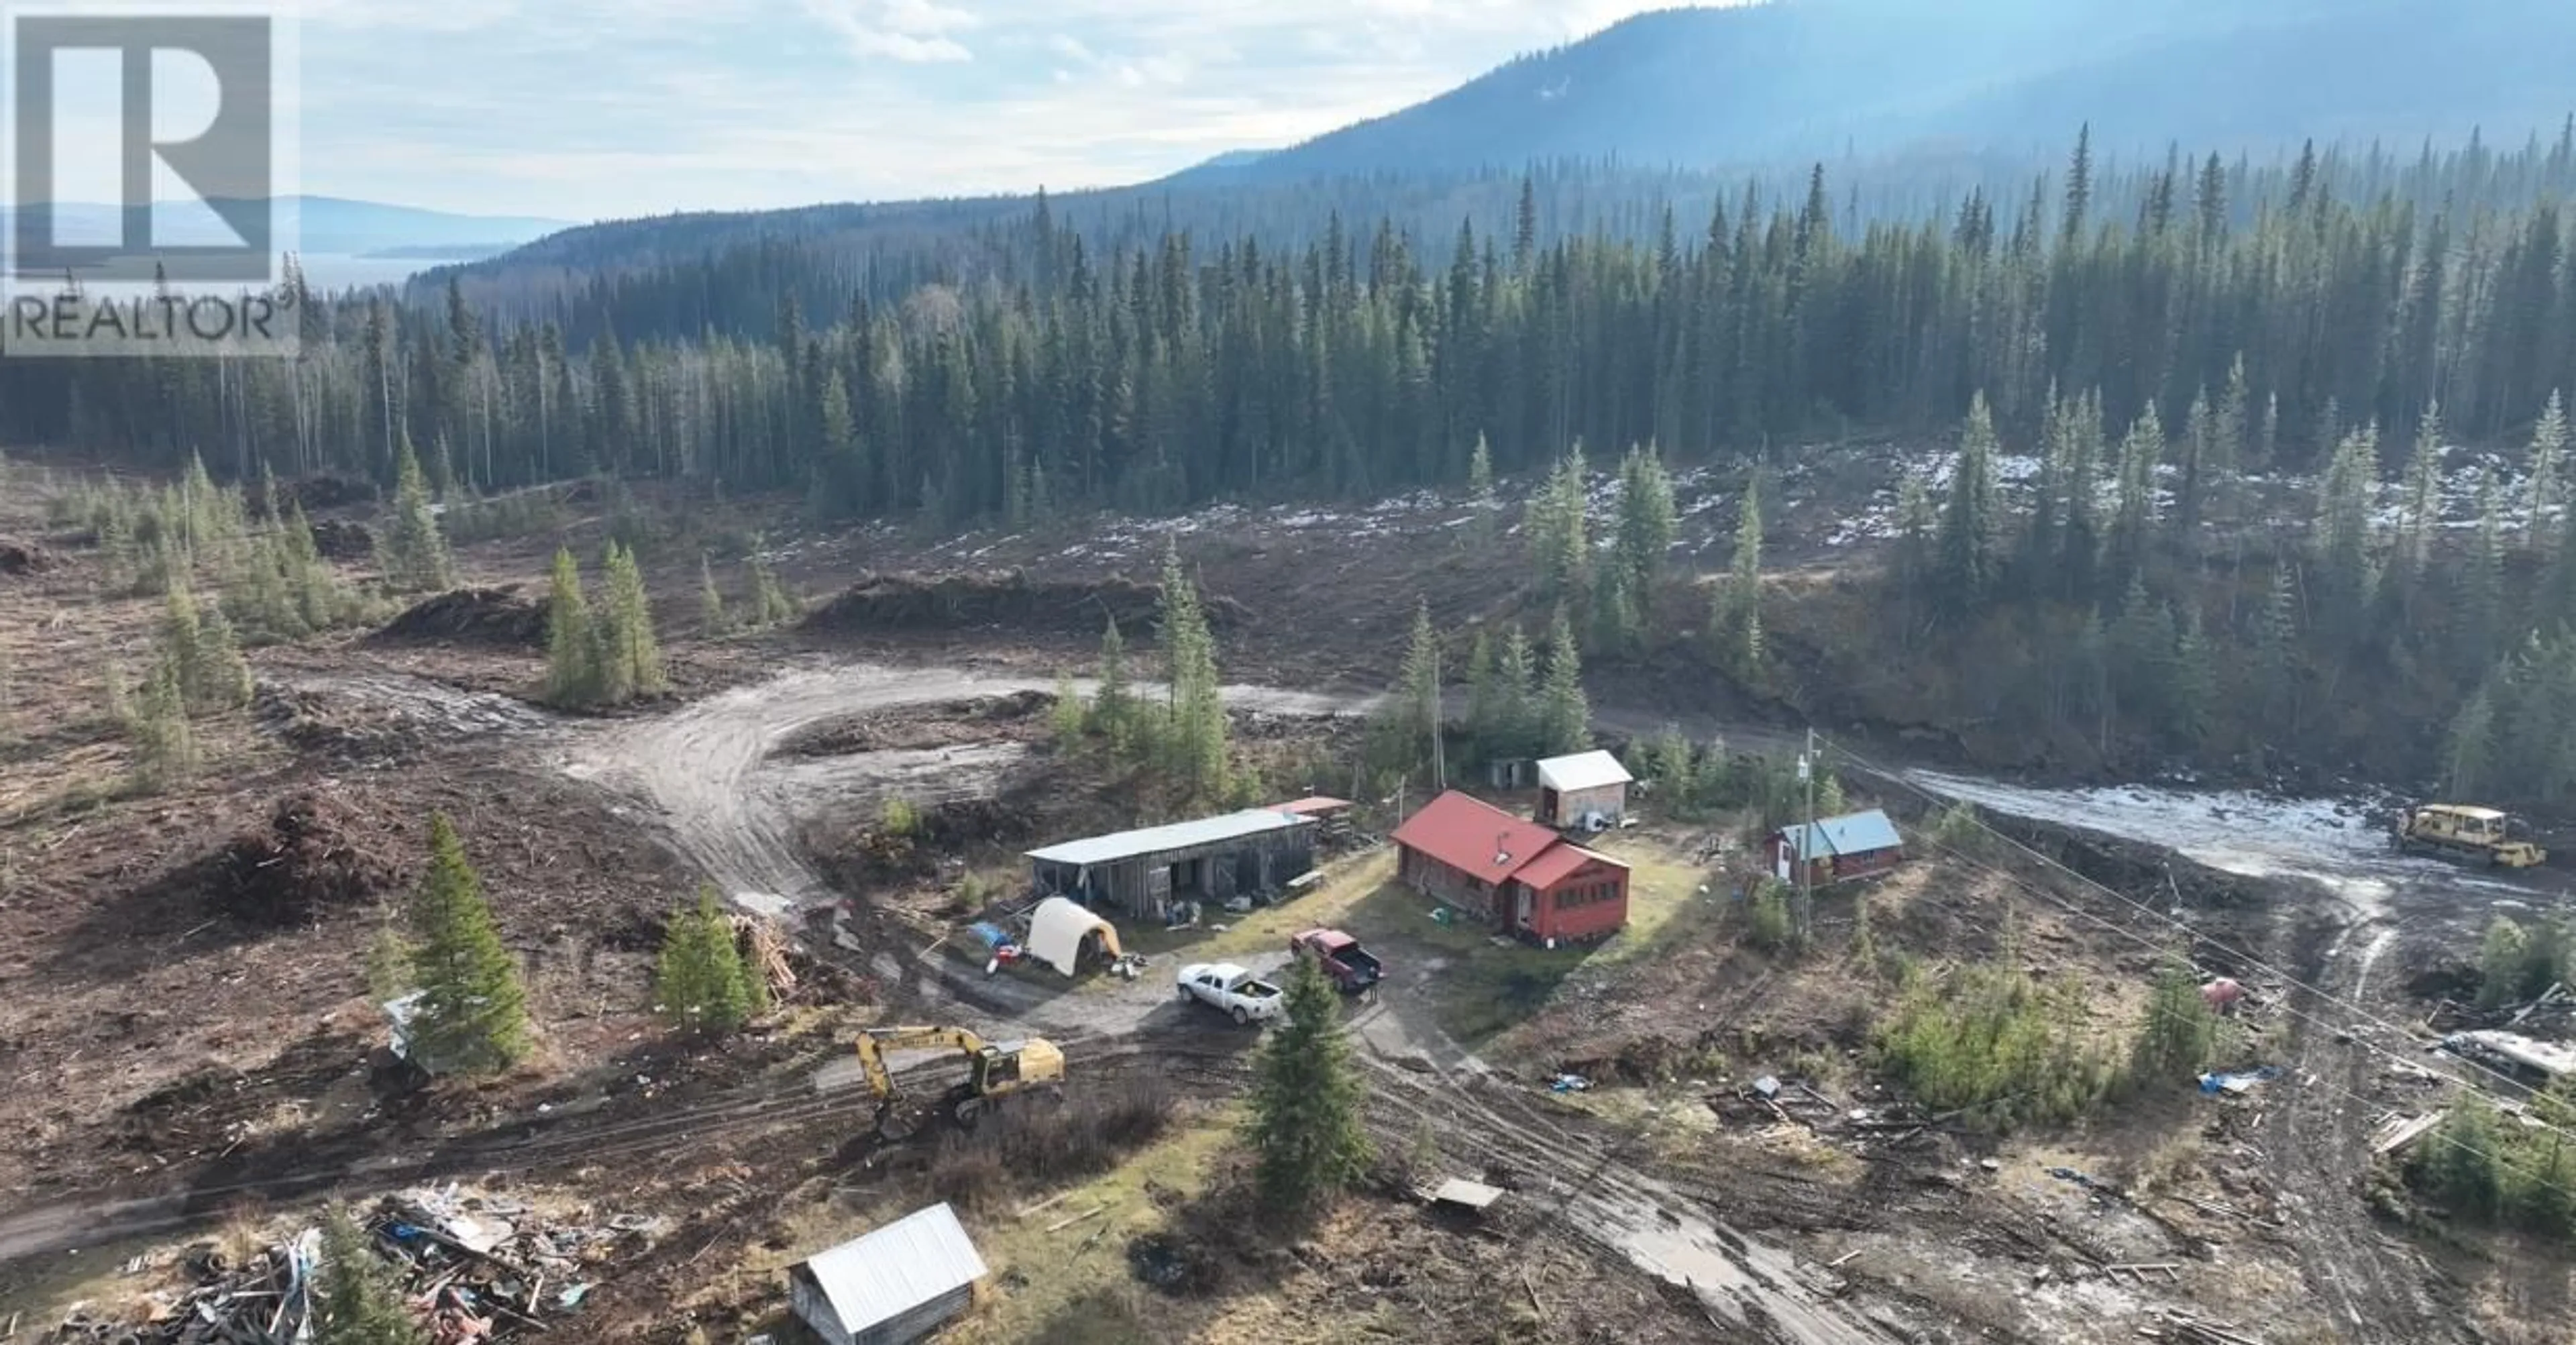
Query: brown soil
x,y
309,860
885,603
486,616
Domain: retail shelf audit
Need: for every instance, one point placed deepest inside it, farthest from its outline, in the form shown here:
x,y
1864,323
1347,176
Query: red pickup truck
x,y
1352,967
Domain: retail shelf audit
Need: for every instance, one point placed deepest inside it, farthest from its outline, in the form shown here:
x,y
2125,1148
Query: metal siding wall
x,y
905,1328
813,1309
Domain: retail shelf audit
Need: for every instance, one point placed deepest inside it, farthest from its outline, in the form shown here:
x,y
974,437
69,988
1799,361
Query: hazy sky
x,y
584,109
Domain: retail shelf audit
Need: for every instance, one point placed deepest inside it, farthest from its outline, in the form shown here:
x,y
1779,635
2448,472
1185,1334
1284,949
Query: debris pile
x,y
912,603
317,493
315,723
472,1267
500,617
17,557
339,539
304,863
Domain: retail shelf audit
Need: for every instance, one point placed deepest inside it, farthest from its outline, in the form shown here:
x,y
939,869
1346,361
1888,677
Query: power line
x,y
2357,1010
2313,1080
2285,1007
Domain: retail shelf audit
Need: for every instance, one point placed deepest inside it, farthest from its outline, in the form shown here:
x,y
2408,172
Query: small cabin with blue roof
x,y
1837,849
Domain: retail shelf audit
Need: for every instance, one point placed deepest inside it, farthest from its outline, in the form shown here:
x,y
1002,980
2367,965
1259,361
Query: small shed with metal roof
x,y
1837,849
893,1286
1146,871
1587,790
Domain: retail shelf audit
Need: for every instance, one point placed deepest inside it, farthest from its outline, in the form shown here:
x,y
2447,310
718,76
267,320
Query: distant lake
x,y
342,271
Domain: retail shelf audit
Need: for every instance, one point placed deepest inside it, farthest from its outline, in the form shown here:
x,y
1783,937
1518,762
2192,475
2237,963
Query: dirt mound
x,y
902,602
18,557
486,616
308,860
338,539
1018,717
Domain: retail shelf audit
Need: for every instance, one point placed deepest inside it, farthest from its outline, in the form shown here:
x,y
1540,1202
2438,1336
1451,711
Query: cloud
x,y
915,31
609,108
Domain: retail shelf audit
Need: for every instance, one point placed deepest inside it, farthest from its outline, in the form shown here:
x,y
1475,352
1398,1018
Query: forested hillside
x,y
1158,375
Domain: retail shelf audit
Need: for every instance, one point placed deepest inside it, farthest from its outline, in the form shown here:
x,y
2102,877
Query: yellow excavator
x,y
994,1071
2480,835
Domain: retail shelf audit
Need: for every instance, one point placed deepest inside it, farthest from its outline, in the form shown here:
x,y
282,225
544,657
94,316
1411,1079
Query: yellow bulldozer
x,y
2478,835
994,1071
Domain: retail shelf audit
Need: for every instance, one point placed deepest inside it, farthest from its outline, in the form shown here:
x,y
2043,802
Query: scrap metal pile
x,y
473,1267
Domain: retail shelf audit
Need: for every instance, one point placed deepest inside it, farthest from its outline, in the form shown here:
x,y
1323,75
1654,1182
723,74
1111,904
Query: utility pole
x,y
1807,844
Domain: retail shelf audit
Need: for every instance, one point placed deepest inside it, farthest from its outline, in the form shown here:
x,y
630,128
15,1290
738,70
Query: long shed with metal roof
x,y
890,1287
1144,872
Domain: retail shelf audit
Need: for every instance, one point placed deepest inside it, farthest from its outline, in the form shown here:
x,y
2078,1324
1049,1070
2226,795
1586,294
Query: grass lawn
x,y
1345,883
1478,987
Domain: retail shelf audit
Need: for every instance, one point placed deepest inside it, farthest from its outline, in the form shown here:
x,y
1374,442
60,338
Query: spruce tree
x,y
630,657
2195,687
1484,695
771,603
1564,715
473,1014
2479,598
1556,522
220,678
1969,520
1196,746
1480,494
573,674
1113,708
1736,621
1304,1123
2180,1032
1516,696
182,641
1647,522
415,554
700,983
320,598
1411,719
2548,462
356,1301
165,746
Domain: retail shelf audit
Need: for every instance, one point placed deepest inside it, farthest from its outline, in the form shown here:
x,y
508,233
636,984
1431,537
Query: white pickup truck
x,y
1244,996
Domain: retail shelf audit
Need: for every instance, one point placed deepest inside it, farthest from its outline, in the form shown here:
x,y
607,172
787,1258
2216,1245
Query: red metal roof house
x,y
1511,873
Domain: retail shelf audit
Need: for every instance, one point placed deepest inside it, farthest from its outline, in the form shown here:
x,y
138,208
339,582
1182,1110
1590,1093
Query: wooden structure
x,y
891,1287
1837,849
1333,817
1517,876
1145,873
1580,791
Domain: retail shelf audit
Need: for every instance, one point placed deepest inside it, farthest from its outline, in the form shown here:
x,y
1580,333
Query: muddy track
x,y
2319,1137
794,1100
1589,1190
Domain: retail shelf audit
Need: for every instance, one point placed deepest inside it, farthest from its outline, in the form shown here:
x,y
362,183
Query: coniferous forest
x,y
2157,333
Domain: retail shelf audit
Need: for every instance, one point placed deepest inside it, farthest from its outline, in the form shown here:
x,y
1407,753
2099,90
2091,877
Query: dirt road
x,y
706,773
